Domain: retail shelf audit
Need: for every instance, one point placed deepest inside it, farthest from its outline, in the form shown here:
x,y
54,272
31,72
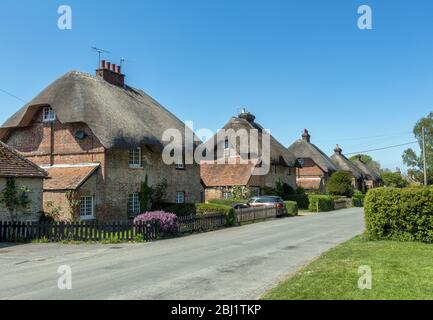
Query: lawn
x,y
400,270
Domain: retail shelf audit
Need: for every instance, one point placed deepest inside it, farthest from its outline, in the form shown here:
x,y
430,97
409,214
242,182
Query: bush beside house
x,y
400,214
340,184
292,208
229,212
321,203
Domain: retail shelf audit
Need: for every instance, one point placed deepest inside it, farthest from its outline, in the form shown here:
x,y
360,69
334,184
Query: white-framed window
x,y
48,114
135,158
180,197
87,207
180,165
227,195
133,204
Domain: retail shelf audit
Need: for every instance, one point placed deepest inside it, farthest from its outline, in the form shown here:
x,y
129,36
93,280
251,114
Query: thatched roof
x,y
279,154
303,148
14,165
120,117
369,173
344,164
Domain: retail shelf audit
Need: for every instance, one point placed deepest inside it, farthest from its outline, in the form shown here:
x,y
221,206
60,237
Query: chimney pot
x,y
306,136
111,73
113,67
108,65
118,70
102,64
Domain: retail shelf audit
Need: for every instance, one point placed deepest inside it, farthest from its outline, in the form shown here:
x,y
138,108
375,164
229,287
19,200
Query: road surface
x,y
235,263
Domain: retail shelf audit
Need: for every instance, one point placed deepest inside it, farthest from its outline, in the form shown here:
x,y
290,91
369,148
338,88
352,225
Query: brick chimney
x,y
338,150
247,116
111,73
306,136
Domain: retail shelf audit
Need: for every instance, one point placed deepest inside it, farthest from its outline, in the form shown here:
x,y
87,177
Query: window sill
x,y
87,218
135,167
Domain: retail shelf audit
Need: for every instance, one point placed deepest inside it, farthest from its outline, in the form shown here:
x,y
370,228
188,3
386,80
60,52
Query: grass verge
x,y
400,270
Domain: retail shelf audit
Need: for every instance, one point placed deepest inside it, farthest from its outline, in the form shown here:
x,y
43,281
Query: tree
x,y
394,180
14,198
340,184
145,195
415,161
369,161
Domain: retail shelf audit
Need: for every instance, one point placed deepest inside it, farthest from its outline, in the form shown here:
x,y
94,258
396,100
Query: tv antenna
x,y
123,60
100,52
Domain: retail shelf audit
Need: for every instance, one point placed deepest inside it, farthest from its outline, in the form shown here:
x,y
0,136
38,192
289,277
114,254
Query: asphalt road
x,y
235,263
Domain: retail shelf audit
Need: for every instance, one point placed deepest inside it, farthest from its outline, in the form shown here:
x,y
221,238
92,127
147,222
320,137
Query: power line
x,y
367,137
384,148
12,95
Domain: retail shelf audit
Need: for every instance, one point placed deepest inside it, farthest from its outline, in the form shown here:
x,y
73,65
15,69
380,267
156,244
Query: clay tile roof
x,y
13,164
222,175
68,177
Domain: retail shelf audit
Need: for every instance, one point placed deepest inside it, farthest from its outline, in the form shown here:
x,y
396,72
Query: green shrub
x,y
292,208
358,199
321,202
301,199
228,211
179,209
400,214
340,184
227,202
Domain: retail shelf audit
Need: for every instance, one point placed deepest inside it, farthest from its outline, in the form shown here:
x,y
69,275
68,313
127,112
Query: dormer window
x,y
135,158
49,114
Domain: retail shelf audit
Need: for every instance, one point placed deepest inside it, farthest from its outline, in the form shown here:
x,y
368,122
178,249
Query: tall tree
x,y
412,159
373,164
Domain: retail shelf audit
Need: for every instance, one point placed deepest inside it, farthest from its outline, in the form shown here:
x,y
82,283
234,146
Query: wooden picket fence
x,y
77,231
202,222
255,213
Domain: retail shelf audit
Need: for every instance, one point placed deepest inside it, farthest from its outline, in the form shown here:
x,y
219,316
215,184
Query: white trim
x,y
133,165
87,216
51,114
78,165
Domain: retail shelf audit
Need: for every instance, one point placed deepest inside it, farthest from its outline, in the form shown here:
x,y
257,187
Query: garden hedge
x,y
229,212
400,214
227,202
292,208
322,203
179,209
358,199
301,199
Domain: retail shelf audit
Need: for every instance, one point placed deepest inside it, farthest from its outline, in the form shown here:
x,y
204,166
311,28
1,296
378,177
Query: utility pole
x,y
424,156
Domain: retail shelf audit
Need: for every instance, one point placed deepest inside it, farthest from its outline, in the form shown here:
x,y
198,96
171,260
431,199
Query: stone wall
x,y
33,210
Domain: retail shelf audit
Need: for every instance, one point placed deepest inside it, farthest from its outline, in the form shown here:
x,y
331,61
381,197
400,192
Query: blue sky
x,y
294,64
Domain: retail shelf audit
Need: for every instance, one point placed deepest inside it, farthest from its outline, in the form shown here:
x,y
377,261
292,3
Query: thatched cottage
x,y
344,164
371,177
316,168
27,179
218,179
98,139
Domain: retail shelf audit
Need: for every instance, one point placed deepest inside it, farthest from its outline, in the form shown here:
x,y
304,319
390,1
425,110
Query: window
x,y
48,114
135,158
86,208
133,204
180,164
180,197
227,195
226,144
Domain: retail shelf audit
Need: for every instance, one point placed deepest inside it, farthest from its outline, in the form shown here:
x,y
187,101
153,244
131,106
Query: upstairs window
x,y
48,114
226,144
180,165
135,158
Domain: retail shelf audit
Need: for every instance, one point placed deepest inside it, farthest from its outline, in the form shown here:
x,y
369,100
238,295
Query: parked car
x,y
273,201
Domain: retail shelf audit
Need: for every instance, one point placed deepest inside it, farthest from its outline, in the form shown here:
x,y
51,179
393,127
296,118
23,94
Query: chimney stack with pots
x,y
306,136
111,73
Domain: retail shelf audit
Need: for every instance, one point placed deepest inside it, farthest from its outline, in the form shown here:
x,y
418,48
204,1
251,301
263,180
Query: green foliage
x,y
14,198
358,199
291,207
159,192
227,202
301,199
53,214
269,191
415,161
321,203
145,195
340,184
394,180
240,192
400,214
282,190
74,204
179,209
229,212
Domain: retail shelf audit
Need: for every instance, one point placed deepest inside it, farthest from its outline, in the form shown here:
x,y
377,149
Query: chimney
x,y
338,150
247,116
111,73
306,136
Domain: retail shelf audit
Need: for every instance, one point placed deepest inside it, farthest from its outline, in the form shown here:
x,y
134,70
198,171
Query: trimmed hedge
x,y
229,212
322,202
292,208
400,214
358,199
227,202
179,209
301,199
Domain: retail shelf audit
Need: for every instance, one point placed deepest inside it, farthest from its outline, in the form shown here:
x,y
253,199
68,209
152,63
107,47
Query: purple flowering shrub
x,y
167,222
